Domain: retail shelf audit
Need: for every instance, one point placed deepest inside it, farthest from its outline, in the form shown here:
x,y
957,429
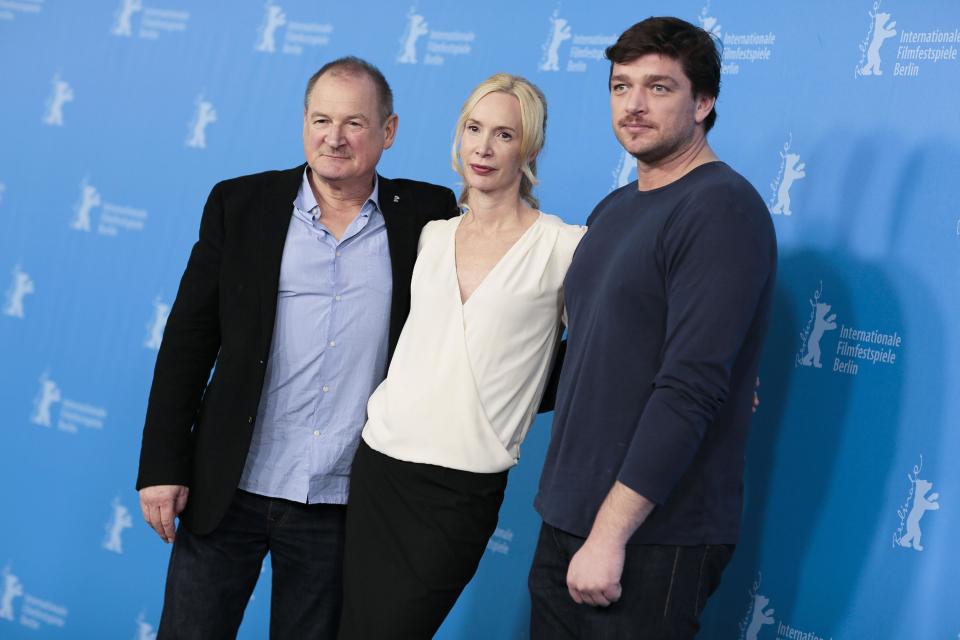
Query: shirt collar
x,y
306,202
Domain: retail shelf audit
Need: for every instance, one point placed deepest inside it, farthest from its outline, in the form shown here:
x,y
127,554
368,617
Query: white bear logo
x,y
708,23
273,19
123,26
48,395
21,287
145,629
625,169
921,504
62,94
205,114
416,28
119,521
12,589
560,32
882,30
822,323
759,618
793,170
161,310
89,198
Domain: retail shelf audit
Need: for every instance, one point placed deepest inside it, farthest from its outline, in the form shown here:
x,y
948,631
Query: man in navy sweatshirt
x,y
668,300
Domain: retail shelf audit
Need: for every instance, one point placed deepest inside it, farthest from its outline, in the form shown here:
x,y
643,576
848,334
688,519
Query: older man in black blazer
x,y
256,457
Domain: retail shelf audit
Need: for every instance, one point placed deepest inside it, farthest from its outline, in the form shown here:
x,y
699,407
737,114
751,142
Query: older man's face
x,y
343,135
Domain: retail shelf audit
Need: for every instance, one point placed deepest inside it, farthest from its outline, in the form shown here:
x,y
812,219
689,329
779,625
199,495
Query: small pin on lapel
x,y
396,198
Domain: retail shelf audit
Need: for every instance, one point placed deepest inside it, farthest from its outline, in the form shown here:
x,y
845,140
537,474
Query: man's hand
x,y
161,504
594,574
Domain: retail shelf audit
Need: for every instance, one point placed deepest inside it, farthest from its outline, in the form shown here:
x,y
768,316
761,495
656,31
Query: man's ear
x,y
704,106
390,130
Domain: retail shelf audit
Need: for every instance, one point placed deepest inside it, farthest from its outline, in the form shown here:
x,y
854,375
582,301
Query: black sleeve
x,y
191,341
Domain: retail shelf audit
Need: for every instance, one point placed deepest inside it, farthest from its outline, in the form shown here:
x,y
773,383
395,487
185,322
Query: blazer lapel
x,y
402,232
275,212
402,236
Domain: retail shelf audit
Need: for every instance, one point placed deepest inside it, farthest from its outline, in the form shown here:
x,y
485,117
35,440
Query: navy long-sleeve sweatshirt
x,y
668,299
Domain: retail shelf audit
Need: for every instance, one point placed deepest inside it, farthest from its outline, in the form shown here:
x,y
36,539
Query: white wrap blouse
x,y
466,379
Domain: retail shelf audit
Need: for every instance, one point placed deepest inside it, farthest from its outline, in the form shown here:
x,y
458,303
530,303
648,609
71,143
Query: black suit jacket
x,y
198,428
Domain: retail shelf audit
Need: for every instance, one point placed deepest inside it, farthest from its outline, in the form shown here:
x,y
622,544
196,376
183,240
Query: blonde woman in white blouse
x,y
465,381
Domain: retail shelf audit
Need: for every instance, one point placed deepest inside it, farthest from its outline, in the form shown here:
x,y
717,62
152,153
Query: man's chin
x,y
650,154
329,174
635,147
643,153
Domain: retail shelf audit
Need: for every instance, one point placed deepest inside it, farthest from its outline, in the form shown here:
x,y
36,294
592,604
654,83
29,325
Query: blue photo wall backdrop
x,y
119,115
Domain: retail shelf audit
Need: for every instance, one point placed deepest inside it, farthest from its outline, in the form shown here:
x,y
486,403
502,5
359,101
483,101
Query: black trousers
x,y
210,578
665,588
415,536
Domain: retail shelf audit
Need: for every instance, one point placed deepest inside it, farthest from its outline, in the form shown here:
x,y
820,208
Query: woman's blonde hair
x,y
533,124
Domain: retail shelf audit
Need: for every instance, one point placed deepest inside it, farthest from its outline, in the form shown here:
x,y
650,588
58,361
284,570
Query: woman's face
x,y
490,144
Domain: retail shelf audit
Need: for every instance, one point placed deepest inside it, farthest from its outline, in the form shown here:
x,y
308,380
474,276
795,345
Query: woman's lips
x,y
481,169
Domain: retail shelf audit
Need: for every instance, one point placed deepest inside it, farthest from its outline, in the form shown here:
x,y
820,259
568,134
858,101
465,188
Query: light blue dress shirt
x,y
329,353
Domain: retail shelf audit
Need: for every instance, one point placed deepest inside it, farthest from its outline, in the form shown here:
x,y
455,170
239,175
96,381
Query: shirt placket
x,y
330,366
321,407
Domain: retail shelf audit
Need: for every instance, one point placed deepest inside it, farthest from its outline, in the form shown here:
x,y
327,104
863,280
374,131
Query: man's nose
x,y
636,101
334,136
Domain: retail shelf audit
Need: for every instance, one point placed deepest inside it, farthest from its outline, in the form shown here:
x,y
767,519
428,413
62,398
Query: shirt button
x,y
338,298
338,254
333,343
261,362
325,389
316,433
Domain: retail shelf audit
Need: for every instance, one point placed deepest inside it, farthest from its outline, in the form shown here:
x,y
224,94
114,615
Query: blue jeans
x,y
665,588
210,578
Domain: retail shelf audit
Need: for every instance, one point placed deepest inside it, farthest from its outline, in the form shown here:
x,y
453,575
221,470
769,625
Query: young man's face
x,y
654,112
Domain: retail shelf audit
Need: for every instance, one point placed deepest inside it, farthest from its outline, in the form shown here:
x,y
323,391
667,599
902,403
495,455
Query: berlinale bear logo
x,y
161,310
881,29
559,33
48,395
61,95
760,617
793,170
204,115
12,589
273,19
821,324
124,24
119,520
89,198
417,27
921,504
21,287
